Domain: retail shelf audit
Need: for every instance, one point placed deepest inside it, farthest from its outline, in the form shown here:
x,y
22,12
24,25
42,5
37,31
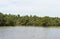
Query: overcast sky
x,y
31,7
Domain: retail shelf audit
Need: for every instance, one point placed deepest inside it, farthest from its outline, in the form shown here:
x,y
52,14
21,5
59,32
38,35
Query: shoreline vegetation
x,y
17,20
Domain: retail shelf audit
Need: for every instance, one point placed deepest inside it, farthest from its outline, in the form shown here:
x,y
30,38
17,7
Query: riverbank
x,y
31,26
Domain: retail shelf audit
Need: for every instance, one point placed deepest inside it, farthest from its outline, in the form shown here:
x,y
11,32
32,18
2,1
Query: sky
x,y
31,7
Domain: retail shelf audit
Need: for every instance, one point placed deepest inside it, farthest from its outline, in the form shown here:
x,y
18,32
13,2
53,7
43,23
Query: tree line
x,y
17,20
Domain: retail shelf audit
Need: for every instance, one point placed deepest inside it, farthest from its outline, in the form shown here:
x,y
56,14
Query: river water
x,y
29,33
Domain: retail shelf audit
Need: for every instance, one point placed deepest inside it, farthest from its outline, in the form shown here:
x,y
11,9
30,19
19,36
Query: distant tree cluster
x,y
17,20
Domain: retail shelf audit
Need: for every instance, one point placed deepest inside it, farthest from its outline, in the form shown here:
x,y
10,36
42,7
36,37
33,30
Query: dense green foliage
x,y
17,20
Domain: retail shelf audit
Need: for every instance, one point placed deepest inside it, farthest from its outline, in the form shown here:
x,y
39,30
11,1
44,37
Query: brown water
x,y
29,33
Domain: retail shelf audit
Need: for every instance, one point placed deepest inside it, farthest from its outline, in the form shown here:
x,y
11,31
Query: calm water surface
x,y
29,33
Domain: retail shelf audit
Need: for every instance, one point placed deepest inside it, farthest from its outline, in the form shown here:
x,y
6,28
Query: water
x,y
29,33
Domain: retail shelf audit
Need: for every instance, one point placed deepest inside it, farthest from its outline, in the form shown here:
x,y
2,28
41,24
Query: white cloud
x,y
37,7
23,6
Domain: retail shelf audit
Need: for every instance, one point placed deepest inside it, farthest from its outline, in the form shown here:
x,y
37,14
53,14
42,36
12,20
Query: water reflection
x,y
29,33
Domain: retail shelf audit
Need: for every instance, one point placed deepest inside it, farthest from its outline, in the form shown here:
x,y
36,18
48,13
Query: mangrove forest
x,y
17,20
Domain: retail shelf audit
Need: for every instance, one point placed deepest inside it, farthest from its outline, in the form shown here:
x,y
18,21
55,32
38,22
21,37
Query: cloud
x,y
23,7
34,7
